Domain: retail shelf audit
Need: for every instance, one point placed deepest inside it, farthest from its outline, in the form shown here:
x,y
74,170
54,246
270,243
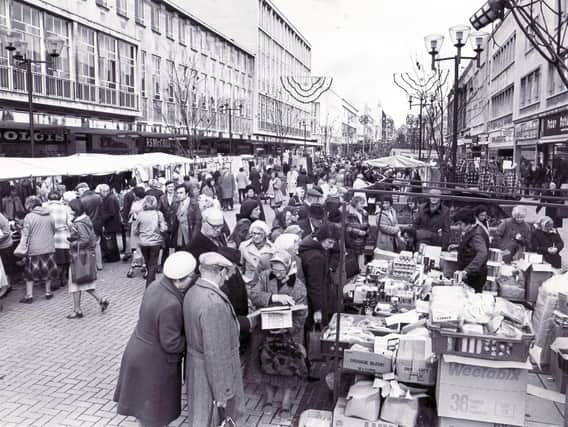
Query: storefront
x,y
526,141
553,142
49,141
158,142
110,142
501,146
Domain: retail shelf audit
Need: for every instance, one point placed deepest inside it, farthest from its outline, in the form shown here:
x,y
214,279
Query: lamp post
x,y
227,108
422,103
18,47
459,35
305,124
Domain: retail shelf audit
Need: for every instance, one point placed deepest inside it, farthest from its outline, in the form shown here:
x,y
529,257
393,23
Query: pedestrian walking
x,y
149,227
61,215
135,208
213,367
92,203
242,182
111,221
227,186
168,207
6,256
150,377
83,269
37,245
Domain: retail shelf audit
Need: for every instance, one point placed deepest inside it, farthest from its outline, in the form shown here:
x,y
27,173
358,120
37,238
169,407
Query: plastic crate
x,y
491,347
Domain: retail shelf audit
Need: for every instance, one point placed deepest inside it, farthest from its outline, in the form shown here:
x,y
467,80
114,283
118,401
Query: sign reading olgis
x,y
49,142
41,136
554,124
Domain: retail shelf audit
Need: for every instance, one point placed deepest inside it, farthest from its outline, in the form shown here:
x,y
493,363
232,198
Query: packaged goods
x,y
478,308
559,362
482,390
514,312
399,411
535,275
315,418
415,361
342,420
543,323
446,304
360,359
363,401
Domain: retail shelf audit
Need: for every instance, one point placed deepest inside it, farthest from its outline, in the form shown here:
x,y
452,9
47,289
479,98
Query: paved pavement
x,y
59,372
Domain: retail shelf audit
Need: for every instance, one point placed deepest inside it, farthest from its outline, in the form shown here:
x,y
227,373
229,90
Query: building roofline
x,y
285,18
174,5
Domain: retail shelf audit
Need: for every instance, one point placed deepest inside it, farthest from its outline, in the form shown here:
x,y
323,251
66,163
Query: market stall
x,y
423,345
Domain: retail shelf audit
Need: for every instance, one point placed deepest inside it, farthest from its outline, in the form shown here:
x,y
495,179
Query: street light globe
x,y
20,49
478,40
433,43
54,45
459,34
9,38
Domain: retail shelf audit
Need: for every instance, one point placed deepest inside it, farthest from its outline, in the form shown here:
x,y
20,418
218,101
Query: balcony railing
x,y
13,79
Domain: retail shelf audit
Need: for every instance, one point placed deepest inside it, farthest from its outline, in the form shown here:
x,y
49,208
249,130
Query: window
x,y
502,103
169,24
102,3
143,73
122,8
107,61
504,57
85,42
139,11
530,88
26,21
58,27
127,61
155,16
193,35
182,30
171,80
156,76
555,84
3,13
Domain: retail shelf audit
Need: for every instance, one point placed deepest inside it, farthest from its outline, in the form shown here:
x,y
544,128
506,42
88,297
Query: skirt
x,y
74,287
62,256
39,268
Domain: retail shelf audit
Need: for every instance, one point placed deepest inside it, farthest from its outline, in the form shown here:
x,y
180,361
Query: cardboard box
x,y
315,418
453,422
367,361
535,275
340,420
482,390
401,412
415,360
275,318
559,363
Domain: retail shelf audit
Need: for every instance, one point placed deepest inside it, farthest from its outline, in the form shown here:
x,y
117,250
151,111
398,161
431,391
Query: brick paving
x,y
60,372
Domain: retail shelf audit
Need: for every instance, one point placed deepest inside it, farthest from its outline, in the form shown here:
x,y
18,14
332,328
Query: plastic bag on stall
x,y
478,308
514,312
546,303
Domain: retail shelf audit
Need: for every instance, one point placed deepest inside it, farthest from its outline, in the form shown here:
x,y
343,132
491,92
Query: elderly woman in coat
x,y
278,357
149,382
387,227
213,366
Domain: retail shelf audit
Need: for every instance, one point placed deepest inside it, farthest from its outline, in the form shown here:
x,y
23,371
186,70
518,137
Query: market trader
x,y
473,251
432,224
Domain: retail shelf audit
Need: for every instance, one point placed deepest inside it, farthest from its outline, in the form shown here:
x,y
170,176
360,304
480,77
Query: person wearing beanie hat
x,y
213,366
314,255
253,249
279,285
150,376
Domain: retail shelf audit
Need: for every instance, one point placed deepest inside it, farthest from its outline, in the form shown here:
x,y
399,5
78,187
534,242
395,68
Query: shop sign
x,y
527,130
505,136
41,136
554,124
112,144
150,144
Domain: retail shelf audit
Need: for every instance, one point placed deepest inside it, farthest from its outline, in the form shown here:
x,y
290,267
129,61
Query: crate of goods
x,y
482,346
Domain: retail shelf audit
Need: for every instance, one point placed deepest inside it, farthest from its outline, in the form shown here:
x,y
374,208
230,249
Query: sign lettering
x,y
555,124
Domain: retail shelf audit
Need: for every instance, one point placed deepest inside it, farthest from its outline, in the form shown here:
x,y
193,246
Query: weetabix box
x,y
482,390
452,422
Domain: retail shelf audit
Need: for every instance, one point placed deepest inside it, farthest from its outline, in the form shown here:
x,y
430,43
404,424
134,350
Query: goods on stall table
x,y
315,418
404,267
342,420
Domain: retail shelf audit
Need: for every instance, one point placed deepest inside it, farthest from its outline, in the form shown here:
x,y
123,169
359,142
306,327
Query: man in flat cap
x,y
213,367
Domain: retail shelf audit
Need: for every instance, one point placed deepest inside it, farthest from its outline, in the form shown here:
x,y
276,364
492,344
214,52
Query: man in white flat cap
x,y
210,237
213,367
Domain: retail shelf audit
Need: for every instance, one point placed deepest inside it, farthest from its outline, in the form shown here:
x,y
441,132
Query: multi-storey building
x,y
283,51
126,70
336,121
523,104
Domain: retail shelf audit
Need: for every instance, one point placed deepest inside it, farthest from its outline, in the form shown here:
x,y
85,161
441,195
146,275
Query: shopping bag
x,y
219,418
313,342
110,248
84,267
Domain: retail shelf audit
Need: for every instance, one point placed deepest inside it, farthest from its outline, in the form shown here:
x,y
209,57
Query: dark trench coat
x,y
149,382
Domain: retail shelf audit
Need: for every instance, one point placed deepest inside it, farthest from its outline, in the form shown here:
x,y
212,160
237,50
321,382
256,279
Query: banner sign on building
x,y
48,142
527,130
554,124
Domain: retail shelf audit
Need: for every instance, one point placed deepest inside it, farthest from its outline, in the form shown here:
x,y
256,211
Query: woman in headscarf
x,y
253,249
278,357
547,242
149,382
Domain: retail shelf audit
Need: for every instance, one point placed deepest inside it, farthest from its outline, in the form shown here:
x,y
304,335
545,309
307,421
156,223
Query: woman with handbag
x,y
150,227
83,267
278,357
37,245
357,228
387,227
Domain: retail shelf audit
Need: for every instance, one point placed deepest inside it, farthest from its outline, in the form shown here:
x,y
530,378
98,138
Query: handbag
x,y
280,355
313,342
84,267
218,417
22,248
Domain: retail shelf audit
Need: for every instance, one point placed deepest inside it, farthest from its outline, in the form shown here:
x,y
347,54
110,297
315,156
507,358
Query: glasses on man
x,y
257,233
215,226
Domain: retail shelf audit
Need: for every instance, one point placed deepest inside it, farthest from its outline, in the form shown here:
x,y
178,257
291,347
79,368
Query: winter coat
x,y
251,255
357,226
110,214
387,230
39,231
5,233
473,253
303,180
92,203
82,234
149,381
255,181
12,207
428,223
315,264
227,186
541,241
200,244
149,227
213,365
157,193
505,237
61,215
168,210
291,182
242,180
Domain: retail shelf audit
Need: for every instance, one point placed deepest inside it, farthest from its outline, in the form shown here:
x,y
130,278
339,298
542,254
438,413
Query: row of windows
x,y
504,56
530,88
502,103
273,24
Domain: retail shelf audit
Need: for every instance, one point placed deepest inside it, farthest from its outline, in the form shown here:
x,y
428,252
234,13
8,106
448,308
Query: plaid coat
x,y
213,365
60,213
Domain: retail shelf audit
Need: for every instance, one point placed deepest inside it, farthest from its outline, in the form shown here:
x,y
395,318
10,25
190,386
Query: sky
x,y
361,43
